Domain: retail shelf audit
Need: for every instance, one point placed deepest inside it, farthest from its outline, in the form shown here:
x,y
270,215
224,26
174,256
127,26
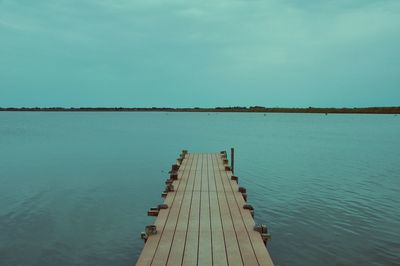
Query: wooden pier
x,y
205,219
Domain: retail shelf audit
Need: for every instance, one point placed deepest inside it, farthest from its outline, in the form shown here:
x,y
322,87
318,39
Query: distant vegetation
x,y
255,109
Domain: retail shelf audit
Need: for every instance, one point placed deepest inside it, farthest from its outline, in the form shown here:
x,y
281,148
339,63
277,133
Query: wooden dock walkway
x,y
205,219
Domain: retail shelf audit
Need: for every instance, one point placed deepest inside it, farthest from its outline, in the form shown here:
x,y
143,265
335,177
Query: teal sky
x,y
199,53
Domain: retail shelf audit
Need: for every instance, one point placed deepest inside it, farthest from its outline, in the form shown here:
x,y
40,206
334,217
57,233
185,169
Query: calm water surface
x,y
75,187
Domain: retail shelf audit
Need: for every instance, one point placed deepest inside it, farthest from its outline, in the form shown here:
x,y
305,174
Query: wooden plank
x,y
164,246
231,242
190,254
246,249
205,249
257,243
178,243
150,247
218,241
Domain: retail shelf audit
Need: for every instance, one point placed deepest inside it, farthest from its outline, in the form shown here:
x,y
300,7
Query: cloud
x,y
117,50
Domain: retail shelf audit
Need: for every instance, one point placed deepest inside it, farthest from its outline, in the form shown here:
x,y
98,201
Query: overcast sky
x,y
199,53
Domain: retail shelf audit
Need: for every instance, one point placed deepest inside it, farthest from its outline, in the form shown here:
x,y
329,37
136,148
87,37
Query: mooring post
x,y
232,159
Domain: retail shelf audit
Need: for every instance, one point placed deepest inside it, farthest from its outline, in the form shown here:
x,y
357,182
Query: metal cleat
x,y
153,212
162,206
235,178
250,208
144,236
242,190
151,230
169,188
183,154
174,168
265,237
244,196
174,176
261,228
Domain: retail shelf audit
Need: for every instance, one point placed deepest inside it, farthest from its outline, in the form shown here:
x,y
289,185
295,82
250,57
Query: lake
x,y
75,187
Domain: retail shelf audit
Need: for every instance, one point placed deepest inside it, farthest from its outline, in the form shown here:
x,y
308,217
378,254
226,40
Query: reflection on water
x,y
75,187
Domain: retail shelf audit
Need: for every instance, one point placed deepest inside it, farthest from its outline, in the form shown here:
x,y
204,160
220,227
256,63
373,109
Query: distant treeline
x,y
255,109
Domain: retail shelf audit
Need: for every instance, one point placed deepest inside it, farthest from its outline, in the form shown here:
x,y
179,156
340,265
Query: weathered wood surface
x,y
205,223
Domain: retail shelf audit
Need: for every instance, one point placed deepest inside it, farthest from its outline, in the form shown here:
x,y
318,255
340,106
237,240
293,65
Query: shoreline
x,y
257,109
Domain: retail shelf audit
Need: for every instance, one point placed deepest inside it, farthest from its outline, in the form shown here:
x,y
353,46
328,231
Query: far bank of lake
x,y
239,109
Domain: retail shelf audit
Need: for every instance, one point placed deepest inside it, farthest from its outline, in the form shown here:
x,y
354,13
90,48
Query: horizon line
x,y
200,107
241,109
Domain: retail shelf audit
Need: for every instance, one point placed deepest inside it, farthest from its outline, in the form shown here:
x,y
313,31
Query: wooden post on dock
x,y
232,160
